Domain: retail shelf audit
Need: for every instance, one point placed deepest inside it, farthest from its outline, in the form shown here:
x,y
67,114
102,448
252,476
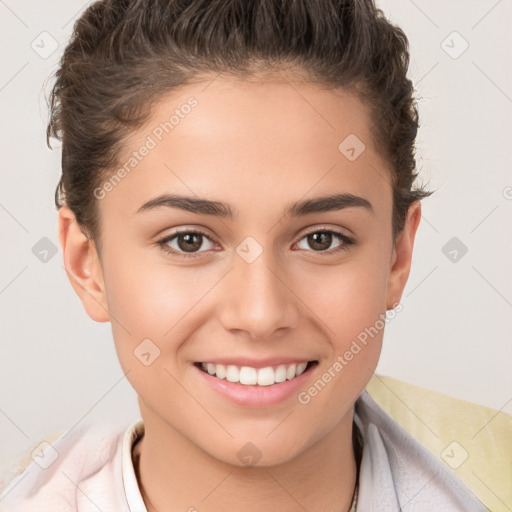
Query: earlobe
x,y
83,266
402,256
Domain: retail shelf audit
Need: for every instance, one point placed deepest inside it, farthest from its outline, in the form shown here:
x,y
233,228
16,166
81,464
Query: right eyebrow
x,y
190,204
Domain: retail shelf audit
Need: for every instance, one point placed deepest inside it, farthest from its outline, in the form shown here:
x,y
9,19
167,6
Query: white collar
x,y
130,484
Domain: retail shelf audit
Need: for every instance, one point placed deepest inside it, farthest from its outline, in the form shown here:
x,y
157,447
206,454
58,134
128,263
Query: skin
x,y
258,147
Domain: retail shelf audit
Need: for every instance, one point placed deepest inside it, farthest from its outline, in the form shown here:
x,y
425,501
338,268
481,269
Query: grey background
x,y
58,368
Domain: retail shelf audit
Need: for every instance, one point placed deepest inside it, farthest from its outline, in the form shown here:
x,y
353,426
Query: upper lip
x,y
256,363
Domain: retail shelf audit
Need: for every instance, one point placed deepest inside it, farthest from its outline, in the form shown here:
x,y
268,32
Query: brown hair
x,y
124,54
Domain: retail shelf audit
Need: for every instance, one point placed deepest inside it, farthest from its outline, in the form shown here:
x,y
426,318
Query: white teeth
x,y
266,376
220,371
250,376
232,374
290,372
280,373
300,368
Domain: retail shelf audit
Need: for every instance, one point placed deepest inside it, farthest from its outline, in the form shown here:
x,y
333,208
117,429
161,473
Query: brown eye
x,y
189,242
185,243
322,240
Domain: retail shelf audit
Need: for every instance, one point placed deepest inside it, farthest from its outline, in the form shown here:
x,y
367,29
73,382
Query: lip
x,y
257,396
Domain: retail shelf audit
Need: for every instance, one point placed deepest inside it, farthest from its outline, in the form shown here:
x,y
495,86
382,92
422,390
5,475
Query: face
x,y
250,239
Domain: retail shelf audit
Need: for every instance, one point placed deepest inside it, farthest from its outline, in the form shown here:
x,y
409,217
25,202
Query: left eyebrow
x,y
328,204
207,207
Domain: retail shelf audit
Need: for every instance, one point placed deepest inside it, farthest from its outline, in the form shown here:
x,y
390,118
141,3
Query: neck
x,y
174,472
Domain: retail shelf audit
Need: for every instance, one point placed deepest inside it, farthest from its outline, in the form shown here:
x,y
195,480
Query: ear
x,y
402,256
83,266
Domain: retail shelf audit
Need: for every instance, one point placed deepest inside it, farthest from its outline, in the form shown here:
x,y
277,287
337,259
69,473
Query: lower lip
x,y
257,396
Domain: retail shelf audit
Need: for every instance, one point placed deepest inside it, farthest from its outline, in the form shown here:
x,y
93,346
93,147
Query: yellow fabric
x,y
21,463
474,441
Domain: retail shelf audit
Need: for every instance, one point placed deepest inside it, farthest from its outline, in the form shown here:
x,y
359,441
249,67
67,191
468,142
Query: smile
x,y
250,376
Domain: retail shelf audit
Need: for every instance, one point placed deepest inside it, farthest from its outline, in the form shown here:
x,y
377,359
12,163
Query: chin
x,y
259,451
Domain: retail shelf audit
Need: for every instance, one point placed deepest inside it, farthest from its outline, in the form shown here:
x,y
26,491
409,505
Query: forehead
x,y
249,144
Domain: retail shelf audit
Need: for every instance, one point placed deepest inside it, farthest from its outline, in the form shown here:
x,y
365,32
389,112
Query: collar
x,y
131,487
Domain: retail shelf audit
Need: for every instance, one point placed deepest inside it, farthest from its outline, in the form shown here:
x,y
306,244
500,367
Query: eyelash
x,y
162,243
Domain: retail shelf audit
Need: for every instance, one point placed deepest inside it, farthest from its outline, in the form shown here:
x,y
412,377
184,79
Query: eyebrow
x,y
207,207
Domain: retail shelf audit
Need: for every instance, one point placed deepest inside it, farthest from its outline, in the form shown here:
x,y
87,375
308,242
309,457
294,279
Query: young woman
x,y
237,199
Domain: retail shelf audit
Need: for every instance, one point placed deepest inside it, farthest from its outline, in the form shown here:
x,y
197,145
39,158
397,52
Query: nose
x,y
258,300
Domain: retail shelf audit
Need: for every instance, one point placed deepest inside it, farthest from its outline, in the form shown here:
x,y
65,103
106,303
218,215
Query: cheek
x,y
150,299
349,298
352,307
146,303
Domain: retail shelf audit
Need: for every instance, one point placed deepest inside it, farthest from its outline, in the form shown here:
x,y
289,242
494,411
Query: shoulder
x,y
78,470
436,447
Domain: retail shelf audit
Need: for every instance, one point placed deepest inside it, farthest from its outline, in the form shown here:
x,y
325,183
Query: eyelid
x,y
326,227
188,230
